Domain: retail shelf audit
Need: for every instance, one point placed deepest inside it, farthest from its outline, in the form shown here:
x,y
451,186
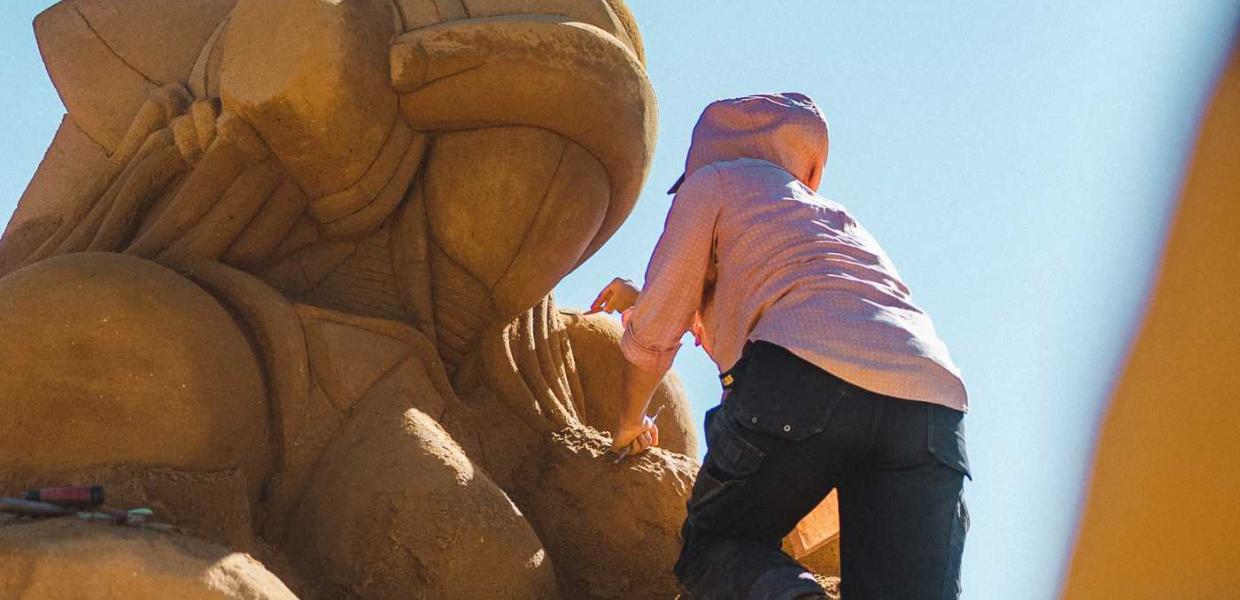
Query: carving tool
x,y
27,508
78,495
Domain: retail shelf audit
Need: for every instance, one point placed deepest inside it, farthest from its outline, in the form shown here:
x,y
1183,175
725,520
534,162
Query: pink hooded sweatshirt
x,y
750,251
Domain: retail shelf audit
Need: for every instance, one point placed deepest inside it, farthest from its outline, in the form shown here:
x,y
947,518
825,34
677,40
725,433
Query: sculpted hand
x,y
636,437
619,295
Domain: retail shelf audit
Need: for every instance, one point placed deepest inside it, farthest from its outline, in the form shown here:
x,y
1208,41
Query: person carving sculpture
x,y
833,378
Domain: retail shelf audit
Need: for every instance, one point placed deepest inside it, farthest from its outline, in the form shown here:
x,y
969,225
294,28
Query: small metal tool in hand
x,y
625,451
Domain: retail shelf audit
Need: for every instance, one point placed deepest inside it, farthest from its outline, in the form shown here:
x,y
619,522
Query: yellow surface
x,y
1163,513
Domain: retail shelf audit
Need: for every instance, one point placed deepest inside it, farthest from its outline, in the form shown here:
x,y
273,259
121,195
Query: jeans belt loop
x,y
728,378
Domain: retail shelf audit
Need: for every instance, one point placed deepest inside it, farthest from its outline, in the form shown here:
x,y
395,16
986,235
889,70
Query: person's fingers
x,y
622,439
654,435
644,440
597,305
617,296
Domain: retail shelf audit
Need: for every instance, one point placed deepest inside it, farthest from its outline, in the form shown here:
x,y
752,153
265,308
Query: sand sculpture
x,y
284,276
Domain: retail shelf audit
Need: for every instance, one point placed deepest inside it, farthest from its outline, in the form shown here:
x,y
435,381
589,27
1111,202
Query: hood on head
x,y
786,129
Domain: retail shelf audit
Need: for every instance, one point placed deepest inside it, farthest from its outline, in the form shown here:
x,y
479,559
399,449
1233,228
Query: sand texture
x,y
284,276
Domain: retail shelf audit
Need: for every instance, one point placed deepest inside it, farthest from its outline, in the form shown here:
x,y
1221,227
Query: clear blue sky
x,y
1017,160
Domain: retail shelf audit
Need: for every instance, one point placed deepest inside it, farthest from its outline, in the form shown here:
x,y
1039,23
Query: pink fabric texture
x,y
749,250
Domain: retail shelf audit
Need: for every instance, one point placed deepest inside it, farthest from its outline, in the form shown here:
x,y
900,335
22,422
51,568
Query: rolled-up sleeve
x,y
675,278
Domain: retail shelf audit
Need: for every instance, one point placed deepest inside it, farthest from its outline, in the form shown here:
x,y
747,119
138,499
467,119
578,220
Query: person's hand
x,y
619,295
636,437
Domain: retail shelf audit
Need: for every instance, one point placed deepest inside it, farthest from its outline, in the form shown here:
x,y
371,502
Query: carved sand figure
x,y
284,275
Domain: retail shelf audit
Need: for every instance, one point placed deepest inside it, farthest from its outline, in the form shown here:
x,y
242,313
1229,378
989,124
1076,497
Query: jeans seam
x,y
948,581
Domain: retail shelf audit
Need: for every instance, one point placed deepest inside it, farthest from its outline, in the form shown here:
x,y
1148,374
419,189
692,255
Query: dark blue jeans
x,y
786,434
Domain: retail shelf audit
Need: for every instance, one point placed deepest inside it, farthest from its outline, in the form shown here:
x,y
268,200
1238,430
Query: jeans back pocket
x,y
781,394
728,450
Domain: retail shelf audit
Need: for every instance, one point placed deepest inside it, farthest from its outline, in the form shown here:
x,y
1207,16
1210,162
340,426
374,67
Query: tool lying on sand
x,y
625,452
137,517
77,495
83,501
30,508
